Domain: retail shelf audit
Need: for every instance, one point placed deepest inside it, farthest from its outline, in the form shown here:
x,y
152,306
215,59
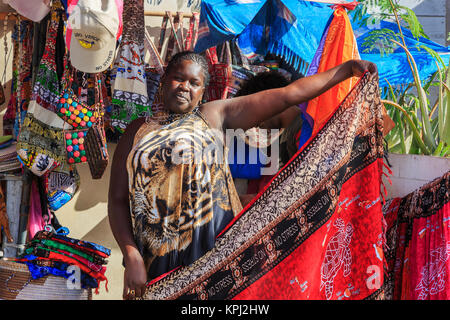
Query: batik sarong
x,y
418,243
314,232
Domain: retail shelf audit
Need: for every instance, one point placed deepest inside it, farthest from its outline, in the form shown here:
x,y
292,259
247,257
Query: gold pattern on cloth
x,y
181,190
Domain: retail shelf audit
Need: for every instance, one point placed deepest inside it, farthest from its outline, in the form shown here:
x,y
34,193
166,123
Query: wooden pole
x,y
163,14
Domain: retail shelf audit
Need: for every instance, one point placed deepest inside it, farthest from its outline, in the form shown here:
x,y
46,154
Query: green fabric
x,y
59,246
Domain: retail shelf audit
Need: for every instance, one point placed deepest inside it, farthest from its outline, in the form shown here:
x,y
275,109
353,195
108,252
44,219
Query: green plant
x,y
422,127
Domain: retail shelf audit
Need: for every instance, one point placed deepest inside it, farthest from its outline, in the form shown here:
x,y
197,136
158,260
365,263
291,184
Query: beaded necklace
x,y
164,116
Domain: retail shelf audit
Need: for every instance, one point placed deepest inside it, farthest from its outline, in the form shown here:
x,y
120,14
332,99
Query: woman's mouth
x,y
181,97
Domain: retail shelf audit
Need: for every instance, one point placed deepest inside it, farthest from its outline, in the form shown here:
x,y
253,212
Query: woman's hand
x,y
361,66
135,277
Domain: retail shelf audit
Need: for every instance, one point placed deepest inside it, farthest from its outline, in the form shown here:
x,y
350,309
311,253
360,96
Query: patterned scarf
x,y
314,232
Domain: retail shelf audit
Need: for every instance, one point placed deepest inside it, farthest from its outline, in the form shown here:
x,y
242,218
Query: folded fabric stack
x,y
8,155
50,253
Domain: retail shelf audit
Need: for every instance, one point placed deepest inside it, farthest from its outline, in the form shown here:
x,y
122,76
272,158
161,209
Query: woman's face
x,y
183,87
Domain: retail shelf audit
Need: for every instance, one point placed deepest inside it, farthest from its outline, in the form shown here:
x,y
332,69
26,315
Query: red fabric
x,y
315,270
418,241
315,231
76,261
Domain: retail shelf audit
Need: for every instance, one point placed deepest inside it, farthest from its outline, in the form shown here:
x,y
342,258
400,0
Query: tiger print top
x,y
181,191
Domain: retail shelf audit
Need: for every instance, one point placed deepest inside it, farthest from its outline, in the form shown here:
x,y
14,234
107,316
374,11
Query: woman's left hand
x,y
361,66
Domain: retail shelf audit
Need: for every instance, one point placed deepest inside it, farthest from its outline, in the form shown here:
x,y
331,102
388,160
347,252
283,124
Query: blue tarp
x,y
292,29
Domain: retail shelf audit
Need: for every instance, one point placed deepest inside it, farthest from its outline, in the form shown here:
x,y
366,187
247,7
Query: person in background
x,y
166,205
289,122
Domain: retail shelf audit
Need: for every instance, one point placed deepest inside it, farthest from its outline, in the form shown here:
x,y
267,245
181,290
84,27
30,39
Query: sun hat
x,y
94,26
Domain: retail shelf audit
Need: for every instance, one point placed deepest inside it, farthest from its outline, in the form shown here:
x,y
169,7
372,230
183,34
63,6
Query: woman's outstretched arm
x,y
248,111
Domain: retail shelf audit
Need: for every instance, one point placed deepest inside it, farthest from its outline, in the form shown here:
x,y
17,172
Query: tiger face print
x,y
179,189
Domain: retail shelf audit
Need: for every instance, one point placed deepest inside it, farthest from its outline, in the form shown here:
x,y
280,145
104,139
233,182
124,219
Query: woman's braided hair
x,y
192,56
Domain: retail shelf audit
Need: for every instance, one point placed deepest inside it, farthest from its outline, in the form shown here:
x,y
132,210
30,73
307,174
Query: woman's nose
x,y
184,85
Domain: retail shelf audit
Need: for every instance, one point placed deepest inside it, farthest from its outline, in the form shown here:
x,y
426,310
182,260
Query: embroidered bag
x,y
40,143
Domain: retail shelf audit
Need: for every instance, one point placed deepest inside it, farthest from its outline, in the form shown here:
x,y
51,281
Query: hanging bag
x,y
40,143
95,142
220,76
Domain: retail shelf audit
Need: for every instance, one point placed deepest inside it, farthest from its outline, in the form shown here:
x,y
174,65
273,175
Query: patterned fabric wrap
x,y
40,144
129,86
314,232
418,242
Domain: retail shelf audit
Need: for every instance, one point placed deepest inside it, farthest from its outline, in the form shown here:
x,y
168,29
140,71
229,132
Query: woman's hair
x,y
262,81
192,56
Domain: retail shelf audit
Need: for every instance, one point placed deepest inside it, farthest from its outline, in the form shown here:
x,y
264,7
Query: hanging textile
x,y
338,44
21,77
418,242
40,143
128,84
314,231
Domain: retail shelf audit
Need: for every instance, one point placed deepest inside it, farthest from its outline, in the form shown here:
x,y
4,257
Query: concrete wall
x,y
410,172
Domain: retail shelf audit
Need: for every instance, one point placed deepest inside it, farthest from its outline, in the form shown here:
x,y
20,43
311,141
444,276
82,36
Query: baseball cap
x,y
94,26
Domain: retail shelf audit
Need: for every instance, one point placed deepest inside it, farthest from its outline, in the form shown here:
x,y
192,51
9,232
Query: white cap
x,y
94,25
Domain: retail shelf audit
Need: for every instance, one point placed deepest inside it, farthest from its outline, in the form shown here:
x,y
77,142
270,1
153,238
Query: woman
x,y
170,192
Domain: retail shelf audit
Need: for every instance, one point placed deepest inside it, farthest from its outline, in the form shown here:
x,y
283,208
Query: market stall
x,y
67,107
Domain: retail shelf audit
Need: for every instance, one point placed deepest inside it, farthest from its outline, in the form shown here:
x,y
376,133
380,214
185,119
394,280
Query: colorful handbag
x,y
40,143
61,185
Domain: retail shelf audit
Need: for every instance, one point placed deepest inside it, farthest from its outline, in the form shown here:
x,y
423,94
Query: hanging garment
x,y
418,243
311,233
21,77
338,45
128,85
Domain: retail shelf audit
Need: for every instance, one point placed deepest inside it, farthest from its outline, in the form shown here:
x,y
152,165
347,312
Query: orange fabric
x,y
340,46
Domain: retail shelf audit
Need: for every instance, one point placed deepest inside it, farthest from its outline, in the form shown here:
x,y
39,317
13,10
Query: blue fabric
x,y
59,270
394,67
245,167
292,29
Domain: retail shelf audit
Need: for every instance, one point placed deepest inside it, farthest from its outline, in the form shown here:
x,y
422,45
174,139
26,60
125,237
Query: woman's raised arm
x,y
248,111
